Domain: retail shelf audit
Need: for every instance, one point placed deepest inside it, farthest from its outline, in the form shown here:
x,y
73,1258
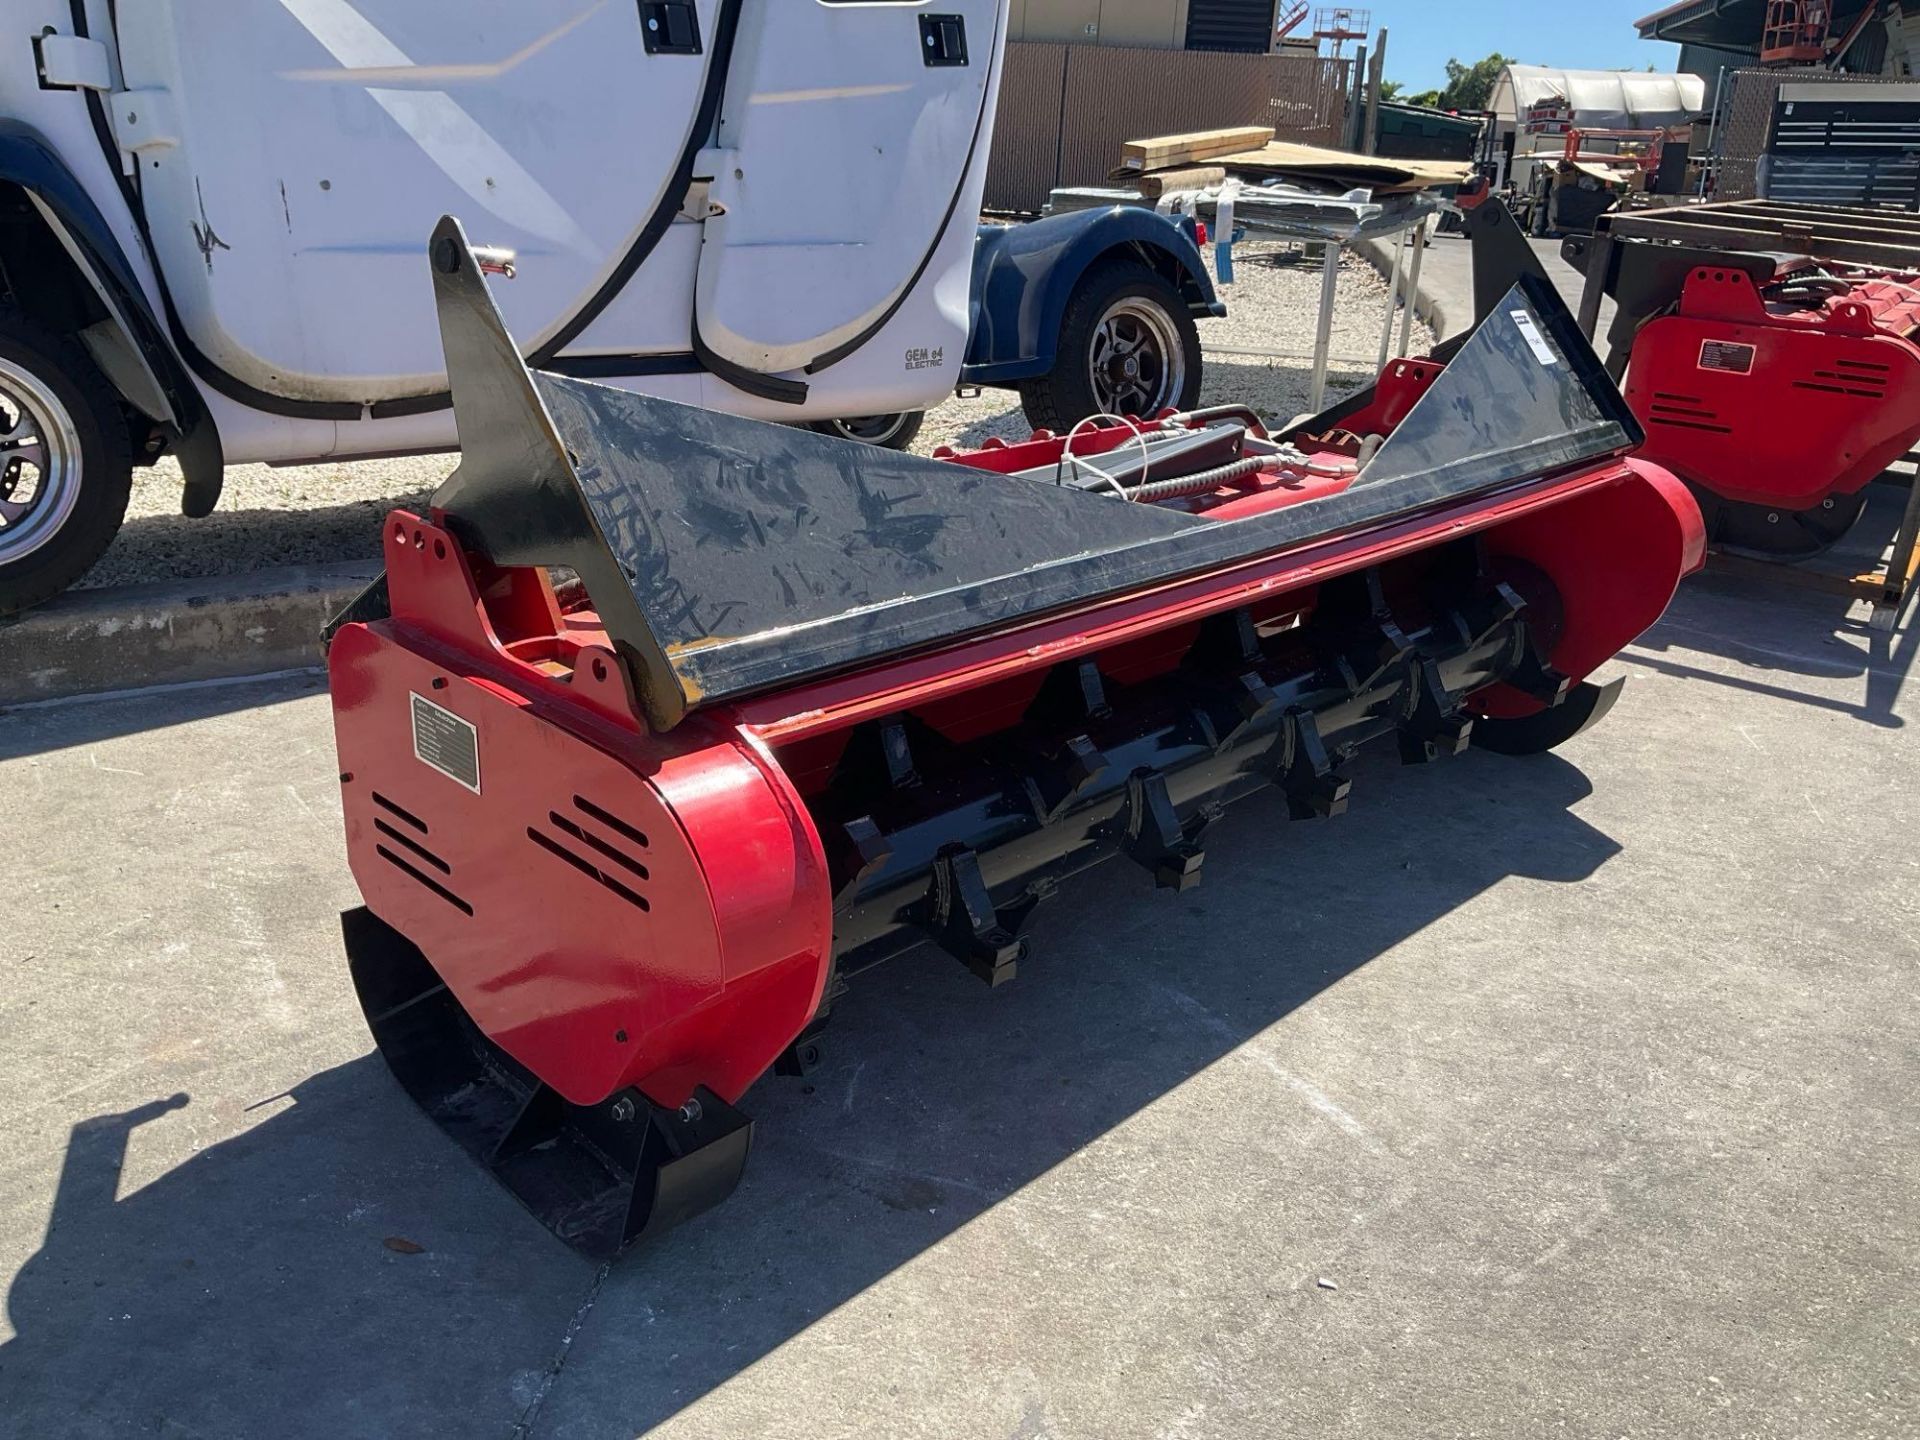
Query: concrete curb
x,y
132,636
1427,306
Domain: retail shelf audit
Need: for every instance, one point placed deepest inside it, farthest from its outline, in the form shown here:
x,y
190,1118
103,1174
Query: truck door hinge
x,y
715,162
144,120
69,62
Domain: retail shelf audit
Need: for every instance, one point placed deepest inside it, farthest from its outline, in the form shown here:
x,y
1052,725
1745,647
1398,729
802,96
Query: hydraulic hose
x,y
1200,482
1245,413
1205,480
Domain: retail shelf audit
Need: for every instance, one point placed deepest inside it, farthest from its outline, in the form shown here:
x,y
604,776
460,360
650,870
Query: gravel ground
x,y
318,513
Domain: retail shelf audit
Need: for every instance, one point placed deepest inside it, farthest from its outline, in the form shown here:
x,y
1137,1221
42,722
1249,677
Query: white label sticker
x,y
444,741
1537,342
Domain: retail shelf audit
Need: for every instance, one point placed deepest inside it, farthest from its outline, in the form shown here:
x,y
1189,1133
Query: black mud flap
x,y
600,1177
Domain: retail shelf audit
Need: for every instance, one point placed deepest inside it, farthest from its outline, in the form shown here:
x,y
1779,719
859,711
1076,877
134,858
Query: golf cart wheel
x,y
890,432
65,470
1128,346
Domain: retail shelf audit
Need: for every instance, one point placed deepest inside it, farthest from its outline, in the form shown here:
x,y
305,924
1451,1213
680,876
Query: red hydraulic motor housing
x,y
662,722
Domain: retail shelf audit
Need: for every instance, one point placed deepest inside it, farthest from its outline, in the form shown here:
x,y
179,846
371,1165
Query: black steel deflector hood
x,y
726,556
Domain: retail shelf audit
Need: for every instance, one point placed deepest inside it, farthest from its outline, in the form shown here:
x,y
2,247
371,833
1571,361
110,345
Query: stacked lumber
x,y
1152,184
1165,152
1342,169
1204,158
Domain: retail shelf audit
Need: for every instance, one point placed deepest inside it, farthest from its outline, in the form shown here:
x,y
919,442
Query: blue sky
x,y
1585,35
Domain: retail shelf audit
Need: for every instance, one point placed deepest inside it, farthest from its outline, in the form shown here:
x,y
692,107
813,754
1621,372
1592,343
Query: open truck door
x,y
290,155
850,146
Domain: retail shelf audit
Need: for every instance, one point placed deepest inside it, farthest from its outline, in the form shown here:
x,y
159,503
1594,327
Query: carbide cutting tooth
x,y
1057,780
865,848
1153,837
961,918
1312,788
1072,694
1434,726
898,754
1254,703
1229,638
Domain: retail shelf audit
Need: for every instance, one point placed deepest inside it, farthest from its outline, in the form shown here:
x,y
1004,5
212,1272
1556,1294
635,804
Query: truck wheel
x,y
65,467
890,432
1128,346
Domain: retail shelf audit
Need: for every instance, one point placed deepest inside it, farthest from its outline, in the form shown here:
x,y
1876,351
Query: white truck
x,y
213,217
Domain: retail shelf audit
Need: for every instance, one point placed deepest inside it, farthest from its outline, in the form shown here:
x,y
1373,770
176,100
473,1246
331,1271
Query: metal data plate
x,y
727,556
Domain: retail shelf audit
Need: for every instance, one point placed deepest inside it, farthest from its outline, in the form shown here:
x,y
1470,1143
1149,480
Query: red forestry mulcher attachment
x,y
808,704
1772,352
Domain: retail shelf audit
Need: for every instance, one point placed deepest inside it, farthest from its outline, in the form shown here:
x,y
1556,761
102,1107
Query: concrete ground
x,y
1446,273
1570,1096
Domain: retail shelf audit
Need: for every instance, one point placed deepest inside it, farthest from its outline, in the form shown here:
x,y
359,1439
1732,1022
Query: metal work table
x,y
1335,221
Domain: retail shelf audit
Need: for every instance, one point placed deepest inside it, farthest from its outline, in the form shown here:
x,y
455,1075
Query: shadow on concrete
x,y
248,1291
41,727
240,541
1796,632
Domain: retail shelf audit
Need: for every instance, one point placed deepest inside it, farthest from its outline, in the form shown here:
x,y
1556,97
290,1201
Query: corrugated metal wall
x,y
1065,110
1846,145
1746,122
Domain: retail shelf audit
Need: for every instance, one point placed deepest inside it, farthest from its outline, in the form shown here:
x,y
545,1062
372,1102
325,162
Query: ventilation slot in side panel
x,y
1861,378
611,821
587,867
1684,412
407,867
400,813
398,847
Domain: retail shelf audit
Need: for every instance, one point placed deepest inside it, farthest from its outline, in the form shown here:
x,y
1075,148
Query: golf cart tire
x,y
102,477
889,432
1060,399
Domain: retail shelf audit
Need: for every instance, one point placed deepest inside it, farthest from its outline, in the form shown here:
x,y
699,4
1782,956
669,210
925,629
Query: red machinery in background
x,y
794,705
1634,149
1772,352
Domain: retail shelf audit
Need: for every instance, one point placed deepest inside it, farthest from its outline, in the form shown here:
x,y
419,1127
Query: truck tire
x,y
1128,346
889,432
65,466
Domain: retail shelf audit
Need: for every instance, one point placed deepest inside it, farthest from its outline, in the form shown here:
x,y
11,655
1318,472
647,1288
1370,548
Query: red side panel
x,y
610,909
1767,408
1615,557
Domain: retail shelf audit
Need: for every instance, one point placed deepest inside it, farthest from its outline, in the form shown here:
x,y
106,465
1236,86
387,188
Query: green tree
x,y
1470,86
1390,89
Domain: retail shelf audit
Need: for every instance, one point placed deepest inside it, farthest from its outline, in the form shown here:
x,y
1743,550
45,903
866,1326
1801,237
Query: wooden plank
x,y
1189,177
1283,157
1160,151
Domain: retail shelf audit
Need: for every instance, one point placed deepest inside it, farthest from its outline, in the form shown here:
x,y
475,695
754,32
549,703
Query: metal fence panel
x,y
1065,110
1026,136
